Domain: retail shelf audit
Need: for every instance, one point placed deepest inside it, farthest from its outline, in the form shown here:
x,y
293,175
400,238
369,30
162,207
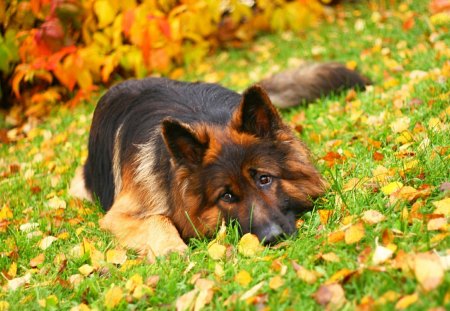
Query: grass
x,y
35,172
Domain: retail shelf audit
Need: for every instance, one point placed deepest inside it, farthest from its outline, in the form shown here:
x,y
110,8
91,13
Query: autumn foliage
x,y
55,50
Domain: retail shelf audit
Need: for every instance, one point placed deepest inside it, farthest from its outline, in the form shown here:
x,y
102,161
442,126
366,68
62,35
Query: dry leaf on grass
x,y
249,245
116,256
330,296
113,297
355,233
428,270
372,217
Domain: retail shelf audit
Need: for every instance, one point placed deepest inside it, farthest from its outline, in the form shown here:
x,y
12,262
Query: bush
x,y
58,50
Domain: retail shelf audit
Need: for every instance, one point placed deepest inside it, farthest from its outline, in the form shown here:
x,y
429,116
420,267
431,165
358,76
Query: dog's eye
x,y
265,180
228,197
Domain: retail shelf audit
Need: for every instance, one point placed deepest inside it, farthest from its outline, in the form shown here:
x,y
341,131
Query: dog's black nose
x,y
270,233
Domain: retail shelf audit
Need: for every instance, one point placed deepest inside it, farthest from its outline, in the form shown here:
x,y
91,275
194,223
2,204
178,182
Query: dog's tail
x,y
309,82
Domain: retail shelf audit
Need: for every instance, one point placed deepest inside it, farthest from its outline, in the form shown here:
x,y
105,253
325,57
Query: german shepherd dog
x,y
169,160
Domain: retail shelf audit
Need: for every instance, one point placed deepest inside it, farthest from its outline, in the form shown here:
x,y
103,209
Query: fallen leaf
x,y
113,297
391,187
86,269
116,256
381,254
56,203
445,186
80,307
243,278
428,270
19,282
437,224
324,215
336,236
249,245
276,282
400,124
442,207
355,233
46,242
216,251
186,301
340,275
252,291
331,296
372,217
307,276
37,260
406,301
330,257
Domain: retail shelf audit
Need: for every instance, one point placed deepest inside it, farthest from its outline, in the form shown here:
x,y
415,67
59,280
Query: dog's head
x,y
253,170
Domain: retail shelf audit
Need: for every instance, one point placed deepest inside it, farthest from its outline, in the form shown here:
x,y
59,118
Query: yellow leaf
x,y
5,212
216,251
391,187
243,278
442,207
355,233
252,291
106,12
133,282
113,297
4,305
372,217
81,307
406,301
276,282
86,269
249,245
339,276
428,270
116,256
12,271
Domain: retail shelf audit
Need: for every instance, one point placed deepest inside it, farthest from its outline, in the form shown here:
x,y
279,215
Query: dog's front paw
x,y
171,246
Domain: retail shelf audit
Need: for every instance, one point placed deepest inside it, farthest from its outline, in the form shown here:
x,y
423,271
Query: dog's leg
x,y
78,187
150,235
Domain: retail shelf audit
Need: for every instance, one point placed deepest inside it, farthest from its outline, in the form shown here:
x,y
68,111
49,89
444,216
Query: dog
x,y
169,160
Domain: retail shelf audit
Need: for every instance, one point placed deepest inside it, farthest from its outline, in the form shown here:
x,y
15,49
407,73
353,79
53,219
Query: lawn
x,y
379,238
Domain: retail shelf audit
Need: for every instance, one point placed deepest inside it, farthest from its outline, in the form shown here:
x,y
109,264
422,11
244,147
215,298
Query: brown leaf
x,y
39,259
331,296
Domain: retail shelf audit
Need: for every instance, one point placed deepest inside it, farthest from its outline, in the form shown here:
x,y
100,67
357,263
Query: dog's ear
x,y
256,114
183,143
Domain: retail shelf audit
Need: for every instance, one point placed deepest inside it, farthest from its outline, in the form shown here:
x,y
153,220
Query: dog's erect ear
x,y
256,114
183,143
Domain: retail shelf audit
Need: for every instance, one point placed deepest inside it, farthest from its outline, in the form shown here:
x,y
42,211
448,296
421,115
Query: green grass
x,y
48,156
